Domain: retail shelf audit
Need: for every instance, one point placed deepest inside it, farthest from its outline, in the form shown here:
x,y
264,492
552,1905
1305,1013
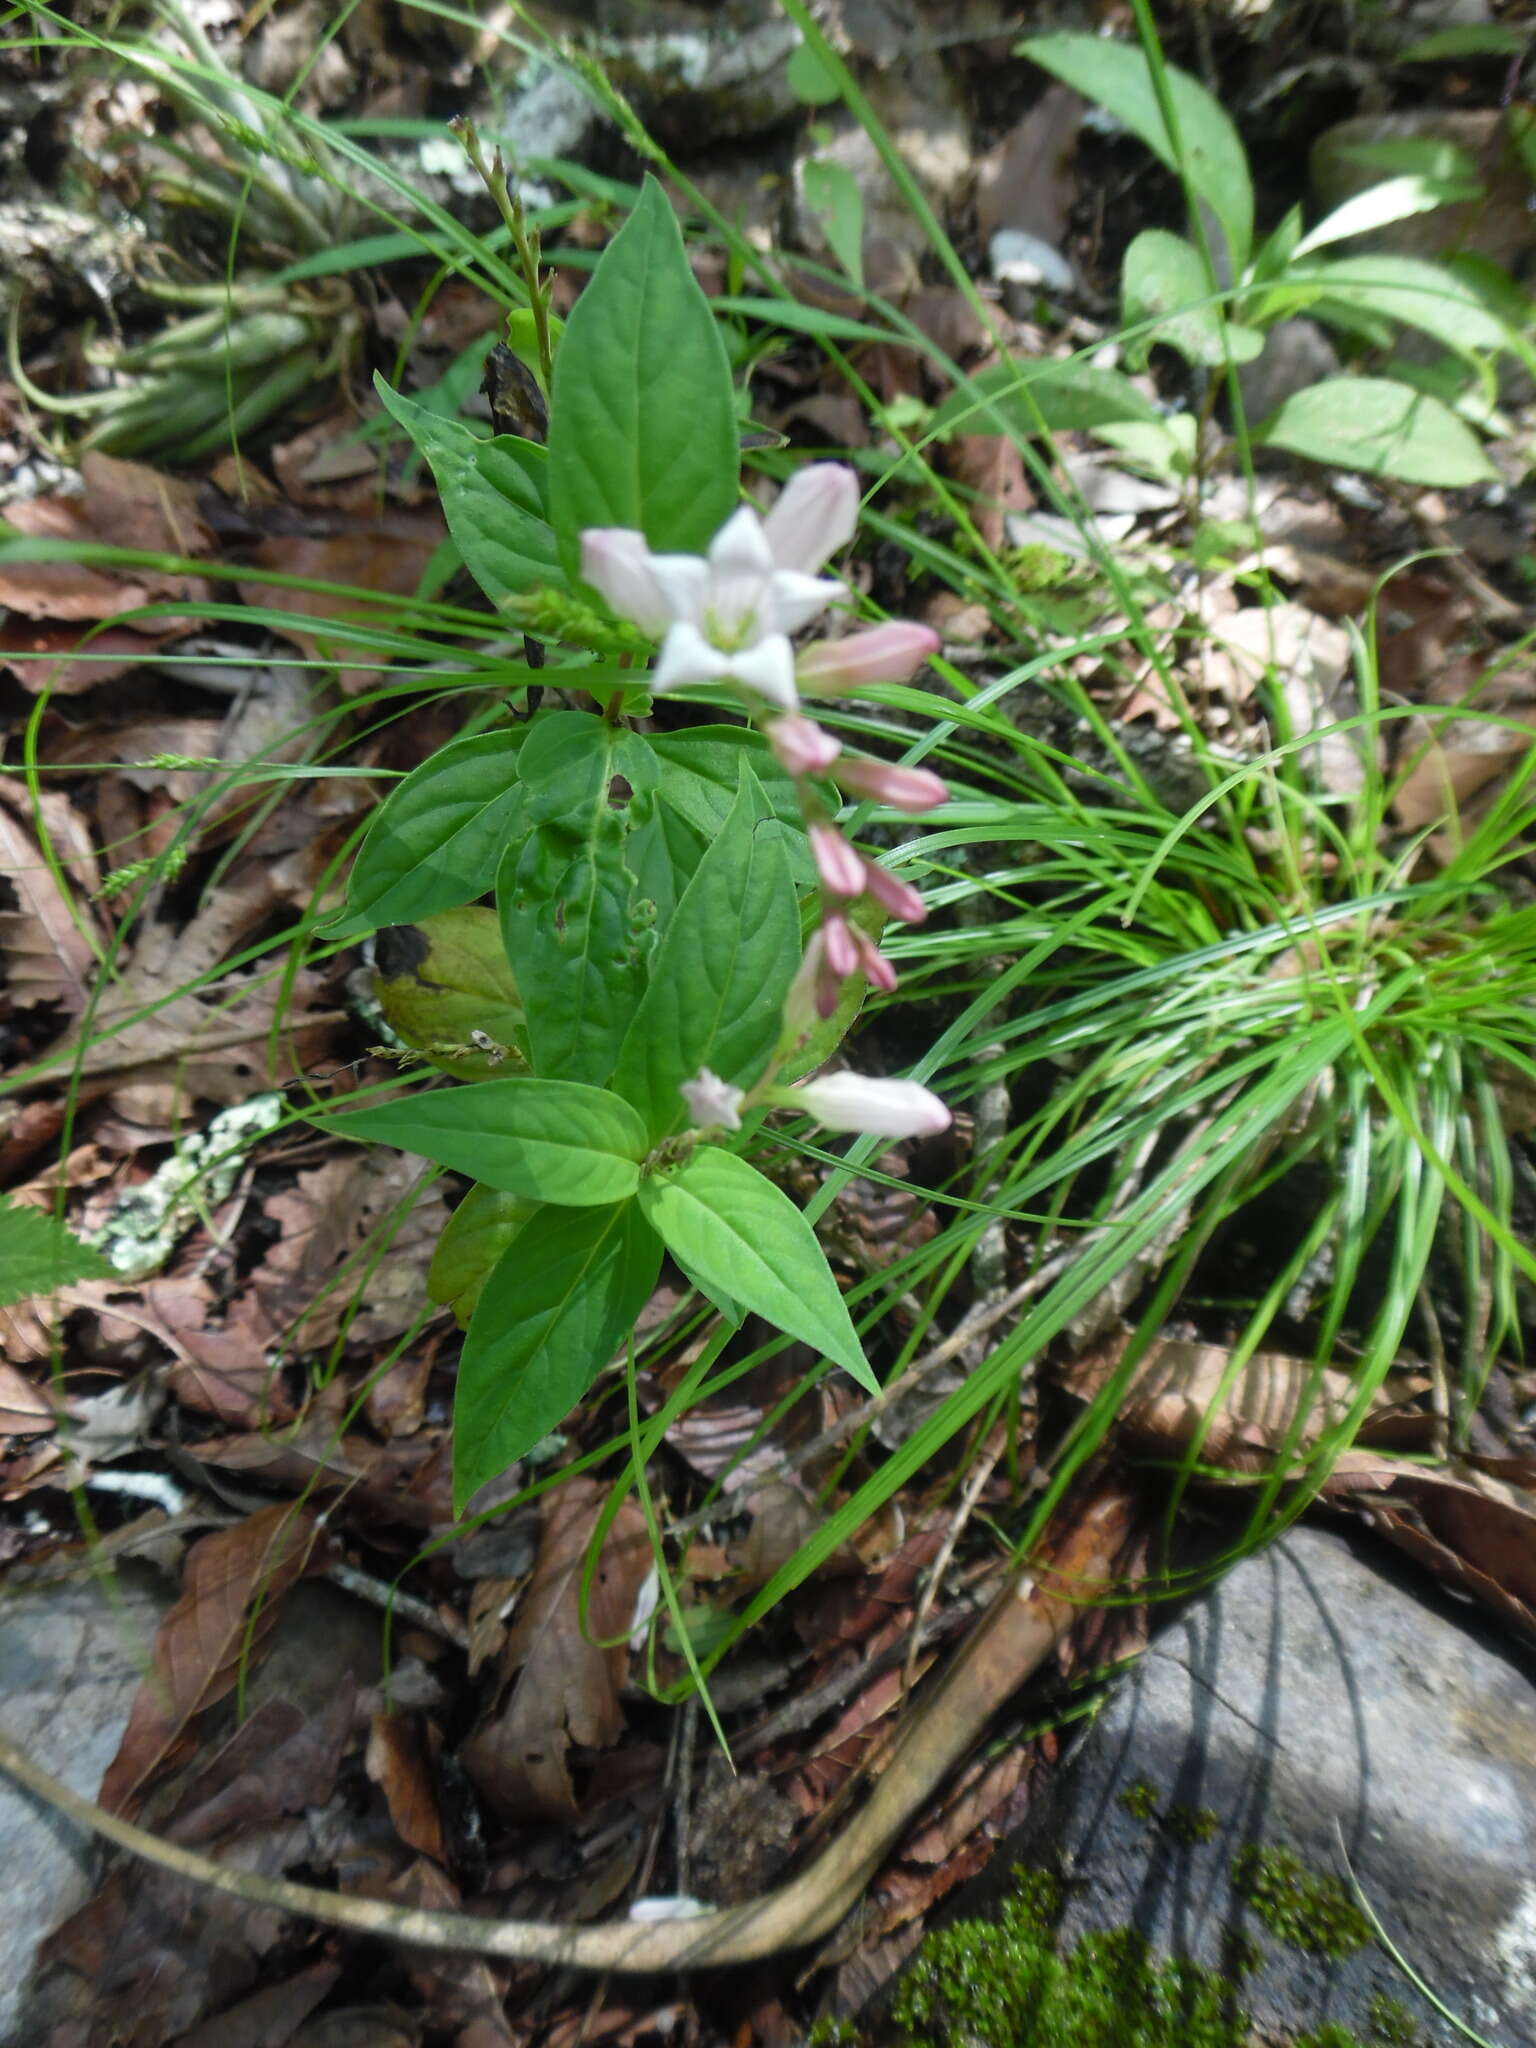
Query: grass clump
x,y
1307,1908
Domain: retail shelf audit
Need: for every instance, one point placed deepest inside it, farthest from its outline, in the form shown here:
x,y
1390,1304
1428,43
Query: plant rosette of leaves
x,y
645,979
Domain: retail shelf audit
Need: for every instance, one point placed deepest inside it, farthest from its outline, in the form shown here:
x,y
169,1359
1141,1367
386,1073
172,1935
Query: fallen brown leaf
x,y
45,939
566,1685
388,557
206,1638
398,1763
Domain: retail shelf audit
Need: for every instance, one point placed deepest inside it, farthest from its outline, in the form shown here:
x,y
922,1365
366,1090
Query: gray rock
x,y
71,1662
1296,355
1310,1695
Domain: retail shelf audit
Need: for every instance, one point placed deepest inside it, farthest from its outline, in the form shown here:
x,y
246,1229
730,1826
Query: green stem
x,y
510,206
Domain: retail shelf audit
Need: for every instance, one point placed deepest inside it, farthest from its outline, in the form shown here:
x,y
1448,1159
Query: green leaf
x,y
1164,279
473,1240
717,988
1071,397
443,979
1119,77
809,79
833,196
733,1230
571,918
561,1301
642,429
1378,206
493,492
439,836
1411,291
549,1141
1381,427
38,1255
1467,39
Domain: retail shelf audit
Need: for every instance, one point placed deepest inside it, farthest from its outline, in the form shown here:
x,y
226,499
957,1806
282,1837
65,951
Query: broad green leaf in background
x,y
1164,279
548,1141
722,971
561,1301
733,1230
439,836
642,429
1414,293
37,1255
570,914
493,491
1071,397
442,979
1379,205
1379,426
833,196
809,79
1118,77
473,1240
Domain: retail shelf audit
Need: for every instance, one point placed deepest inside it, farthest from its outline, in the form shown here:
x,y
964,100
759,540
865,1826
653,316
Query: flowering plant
x,y
644,990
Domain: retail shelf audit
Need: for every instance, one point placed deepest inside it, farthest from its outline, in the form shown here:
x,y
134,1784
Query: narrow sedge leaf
x,y
731,1229
493,491
722,971
561,1301
549,1141
570,916
37,1255
439,836
642,428
1118,76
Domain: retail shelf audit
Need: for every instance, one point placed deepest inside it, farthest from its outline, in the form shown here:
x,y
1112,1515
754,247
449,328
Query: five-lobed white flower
x,y
729,615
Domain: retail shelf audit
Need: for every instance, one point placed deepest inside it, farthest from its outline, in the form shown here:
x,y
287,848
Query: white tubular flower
x,y
712,1103
729,616
859,1102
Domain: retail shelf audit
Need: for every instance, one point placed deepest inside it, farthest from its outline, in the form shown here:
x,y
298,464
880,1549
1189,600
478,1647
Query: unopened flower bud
x,y
859,1102
841,869
801,746
904,789
882,654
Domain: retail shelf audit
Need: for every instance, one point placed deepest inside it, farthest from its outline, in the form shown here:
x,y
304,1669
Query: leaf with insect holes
x,y
558,1305
439,836
732,1229
642,427
721,974
494,490
575,928
549,1141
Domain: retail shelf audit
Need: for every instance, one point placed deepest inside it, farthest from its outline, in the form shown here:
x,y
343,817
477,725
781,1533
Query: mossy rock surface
x,y
1318,1692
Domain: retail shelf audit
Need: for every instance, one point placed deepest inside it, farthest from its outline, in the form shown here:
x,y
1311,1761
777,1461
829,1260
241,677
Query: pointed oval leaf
x,y
1120,78
549,1141
473,1241
558,1305
1379,426
439,835
642,427
494,489
732,1229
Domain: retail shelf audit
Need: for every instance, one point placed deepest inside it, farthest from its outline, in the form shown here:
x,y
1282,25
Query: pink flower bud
x,y
800,745
904,789
859,1102
842,953
882,654
877,970
840,868
898,897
